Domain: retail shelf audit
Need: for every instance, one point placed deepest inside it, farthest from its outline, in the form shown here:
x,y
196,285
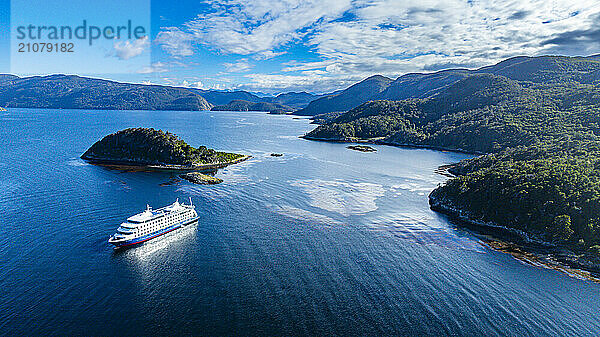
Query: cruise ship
x,y
153,223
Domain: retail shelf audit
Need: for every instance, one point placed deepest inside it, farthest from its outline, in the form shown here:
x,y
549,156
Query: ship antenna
x,y
191,201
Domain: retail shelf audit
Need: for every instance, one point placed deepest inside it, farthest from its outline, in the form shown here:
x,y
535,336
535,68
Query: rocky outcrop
x,y
200,178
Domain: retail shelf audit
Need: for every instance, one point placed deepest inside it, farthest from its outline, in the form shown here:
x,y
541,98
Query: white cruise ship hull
x,y
151,224
142,239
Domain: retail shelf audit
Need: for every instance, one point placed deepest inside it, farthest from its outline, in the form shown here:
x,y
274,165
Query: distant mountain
x,y
584,70
75,92
218,97
7,77
296,100
421,85
241,105
347,99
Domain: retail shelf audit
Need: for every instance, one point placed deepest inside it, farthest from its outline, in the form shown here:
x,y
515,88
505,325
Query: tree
x,y
560,229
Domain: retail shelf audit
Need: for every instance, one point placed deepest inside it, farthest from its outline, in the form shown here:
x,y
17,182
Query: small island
x,y
241,105
156,150
361,148
200,178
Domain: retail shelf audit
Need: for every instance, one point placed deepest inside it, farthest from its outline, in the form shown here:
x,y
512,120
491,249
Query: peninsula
x,y
534,123
156,149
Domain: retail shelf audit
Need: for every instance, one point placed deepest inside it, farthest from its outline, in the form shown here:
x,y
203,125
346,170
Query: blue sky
x,y
317,46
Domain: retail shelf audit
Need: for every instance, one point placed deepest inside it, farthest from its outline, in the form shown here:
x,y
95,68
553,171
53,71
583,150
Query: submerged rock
x,y
200,178
361,148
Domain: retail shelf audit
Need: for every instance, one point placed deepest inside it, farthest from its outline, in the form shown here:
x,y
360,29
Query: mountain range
x,y
76,92
422,85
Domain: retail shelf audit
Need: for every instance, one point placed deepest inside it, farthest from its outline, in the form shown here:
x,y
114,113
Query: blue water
x,y
321,241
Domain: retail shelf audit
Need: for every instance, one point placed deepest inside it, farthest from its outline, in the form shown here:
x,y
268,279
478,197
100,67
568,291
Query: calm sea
x,y
321,241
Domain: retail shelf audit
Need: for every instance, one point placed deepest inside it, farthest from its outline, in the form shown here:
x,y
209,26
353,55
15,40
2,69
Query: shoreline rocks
x,y
524,246
200,178
361,148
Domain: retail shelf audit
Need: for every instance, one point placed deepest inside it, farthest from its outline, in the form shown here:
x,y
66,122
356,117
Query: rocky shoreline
x,y
201,179
527,247
361,148
382,141
135,165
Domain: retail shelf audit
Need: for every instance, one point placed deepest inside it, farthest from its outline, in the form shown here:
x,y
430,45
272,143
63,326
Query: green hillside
x,y
347,99
143,146
541,173
241,105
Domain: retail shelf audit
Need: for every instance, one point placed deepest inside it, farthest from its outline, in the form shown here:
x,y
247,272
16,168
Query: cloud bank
x,y
348,40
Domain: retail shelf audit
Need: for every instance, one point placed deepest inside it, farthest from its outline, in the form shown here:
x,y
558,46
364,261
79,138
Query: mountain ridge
x,y
62,91
538,69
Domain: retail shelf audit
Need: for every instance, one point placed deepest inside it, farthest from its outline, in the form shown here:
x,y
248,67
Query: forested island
x,y
242,105
536,122
156,149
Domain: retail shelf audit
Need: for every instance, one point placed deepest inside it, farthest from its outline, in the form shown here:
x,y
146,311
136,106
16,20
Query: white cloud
x,y
125,50
157,67
196,84
175,42
307,81
247,27
393,37
267,54
239,66
353,39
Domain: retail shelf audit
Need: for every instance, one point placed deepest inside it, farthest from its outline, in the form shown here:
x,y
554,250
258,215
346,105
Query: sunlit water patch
x,y
342,197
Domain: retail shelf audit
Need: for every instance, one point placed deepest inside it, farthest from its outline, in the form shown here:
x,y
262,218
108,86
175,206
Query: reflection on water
x,y
140,254
417,229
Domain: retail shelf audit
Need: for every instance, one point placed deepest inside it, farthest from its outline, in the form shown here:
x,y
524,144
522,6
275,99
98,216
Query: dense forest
x,y
540,172
147,146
